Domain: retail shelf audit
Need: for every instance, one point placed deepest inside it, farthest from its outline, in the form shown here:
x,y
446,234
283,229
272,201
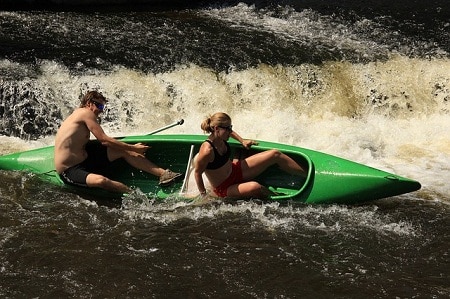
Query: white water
x,y
271,216
391,115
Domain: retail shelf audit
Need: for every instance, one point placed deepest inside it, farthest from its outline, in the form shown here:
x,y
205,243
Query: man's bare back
x,y
70,153
75,131
71,139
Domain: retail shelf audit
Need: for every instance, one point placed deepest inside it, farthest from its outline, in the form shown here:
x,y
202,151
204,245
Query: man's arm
x,y
93,126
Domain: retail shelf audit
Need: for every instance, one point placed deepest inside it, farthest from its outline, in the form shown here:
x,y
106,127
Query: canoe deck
x,y
329,179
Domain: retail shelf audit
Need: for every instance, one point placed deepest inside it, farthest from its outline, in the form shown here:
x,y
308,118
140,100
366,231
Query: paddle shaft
x,y
180,122
188,167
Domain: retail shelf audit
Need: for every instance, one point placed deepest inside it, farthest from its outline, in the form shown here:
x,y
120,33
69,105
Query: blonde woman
x,y
234,179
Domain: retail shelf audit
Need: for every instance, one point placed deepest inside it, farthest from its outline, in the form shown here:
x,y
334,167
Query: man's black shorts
x,y
97,162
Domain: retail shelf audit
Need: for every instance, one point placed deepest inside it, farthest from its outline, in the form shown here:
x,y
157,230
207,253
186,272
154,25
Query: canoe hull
x,y
330,179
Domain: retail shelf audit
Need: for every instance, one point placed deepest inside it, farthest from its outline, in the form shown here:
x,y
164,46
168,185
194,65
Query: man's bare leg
x,y
139,162
99,181
166,176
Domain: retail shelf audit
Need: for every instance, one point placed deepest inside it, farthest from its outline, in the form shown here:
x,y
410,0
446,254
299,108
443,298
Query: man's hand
x,y
141,148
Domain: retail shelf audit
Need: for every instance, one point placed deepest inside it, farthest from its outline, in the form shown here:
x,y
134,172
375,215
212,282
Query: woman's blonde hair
x,y
217,119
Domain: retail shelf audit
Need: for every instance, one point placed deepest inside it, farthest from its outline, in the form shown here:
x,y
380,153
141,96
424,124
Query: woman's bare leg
x,y
248,189
258,163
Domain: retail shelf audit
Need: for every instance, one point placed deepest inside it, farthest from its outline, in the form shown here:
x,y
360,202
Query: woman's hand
x,y
247,143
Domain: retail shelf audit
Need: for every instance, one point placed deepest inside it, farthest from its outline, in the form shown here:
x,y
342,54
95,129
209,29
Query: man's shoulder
x,y
83,113
79,116
81,110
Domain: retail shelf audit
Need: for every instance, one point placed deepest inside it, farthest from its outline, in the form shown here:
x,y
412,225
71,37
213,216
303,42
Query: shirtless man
x,y
78,163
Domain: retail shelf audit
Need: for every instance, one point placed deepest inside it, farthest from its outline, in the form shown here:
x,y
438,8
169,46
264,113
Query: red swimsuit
x,y
234,178
236,172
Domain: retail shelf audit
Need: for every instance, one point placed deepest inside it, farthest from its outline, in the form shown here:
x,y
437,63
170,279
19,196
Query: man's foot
x,y
168,177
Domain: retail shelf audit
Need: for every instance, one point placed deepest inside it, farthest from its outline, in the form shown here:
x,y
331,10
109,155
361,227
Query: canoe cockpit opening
x,y
283,185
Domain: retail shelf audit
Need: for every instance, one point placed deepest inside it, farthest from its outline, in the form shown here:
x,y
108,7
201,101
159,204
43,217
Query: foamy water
x,y
391,115
370,84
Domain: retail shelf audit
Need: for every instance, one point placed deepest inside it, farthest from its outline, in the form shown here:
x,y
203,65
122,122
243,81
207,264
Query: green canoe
x,y
330,179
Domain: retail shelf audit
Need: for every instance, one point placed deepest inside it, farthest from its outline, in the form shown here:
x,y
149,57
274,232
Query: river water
x,y
367,82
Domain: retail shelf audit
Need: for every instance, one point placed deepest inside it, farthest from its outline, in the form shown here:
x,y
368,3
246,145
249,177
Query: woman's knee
x,y
252,189
274,154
